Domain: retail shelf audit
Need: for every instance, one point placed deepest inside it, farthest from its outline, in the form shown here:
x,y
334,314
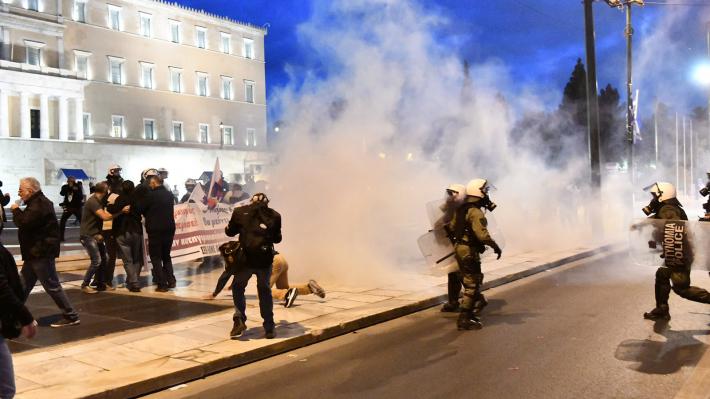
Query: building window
x,y
80,10
228,133
33,5
81,61
251,138
116,70
226,87
249,91
34,52
204,133
149,129
175,34
117,129
201,37
176,80
226,42
202,84
177,131
146,24
147,75
114,17
86,124
248,49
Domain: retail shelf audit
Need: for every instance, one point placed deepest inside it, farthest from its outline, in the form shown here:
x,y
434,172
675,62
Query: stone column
x,y
25,115
4,115
63,118
79,119
43,116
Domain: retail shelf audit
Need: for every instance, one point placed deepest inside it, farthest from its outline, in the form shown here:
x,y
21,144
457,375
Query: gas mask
x,y
488,204
653,206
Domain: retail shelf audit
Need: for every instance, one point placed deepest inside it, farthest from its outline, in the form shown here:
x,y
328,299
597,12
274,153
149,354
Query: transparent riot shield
x,y
437,247
673,243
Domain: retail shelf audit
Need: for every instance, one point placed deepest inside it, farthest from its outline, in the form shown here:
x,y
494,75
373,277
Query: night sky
x,y
538,40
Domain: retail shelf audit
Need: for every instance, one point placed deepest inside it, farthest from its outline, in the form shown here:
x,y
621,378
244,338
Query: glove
x,y
497,250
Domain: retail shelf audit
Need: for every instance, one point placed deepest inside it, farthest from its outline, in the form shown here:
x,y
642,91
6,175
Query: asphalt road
x,y
575,332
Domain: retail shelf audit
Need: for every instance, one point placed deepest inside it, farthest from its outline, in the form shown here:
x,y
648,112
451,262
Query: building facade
x,y
143,83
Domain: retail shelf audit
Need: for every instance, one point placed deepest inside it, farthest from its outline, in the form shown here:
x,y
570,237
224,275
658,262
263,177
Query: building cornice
x,y
215,19
15,20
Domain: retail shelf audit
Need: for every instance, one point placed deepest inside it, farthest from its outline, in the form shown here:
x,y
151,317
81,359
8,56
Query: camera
x,y
705,191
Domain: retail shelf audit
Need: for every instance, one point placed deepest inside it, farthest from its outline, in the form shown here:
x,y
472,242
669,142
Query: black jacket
x,y
125,223
259,228
13,313
3,203
38,230
157,207
77,196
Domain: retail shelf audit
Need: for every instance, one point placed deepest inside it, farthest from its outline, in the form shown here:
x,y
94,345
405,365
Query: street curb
x,y
158,383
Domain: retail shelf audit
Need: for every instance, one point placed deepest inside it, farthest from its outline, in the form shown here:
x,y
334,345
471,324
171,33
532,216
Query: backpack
x,y
261,228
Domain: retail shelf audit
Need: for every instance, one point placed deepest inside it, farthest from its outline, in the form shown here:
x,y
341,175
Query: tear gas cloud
x,y
392,124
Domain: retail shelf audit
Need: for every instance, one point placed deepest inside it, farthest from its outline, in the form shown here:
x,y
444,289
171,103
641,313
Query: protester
x,y
71,205
259,228
109,238
190,185
235,194
92,239
279,277
15,319
158,210
129,234
38,233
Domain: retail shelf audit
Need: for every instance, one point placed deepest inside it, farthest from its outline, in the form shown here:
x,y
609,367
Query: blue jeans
x,y
97,254
7,375
45,270
131,251
263,287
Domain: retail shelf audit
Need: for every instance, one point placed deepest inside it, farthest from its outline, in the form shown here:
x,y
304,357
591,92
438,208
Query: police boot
x,y
660,312
467,321
450,307
479,304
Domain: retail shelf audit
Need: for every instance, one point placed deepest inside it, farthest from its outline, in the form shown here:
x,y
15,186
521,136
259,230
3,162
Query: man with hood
x,y
259,228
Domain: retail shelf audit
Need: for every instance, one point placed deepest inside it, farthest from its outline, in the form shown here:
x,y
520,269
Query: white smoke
x,y
393,122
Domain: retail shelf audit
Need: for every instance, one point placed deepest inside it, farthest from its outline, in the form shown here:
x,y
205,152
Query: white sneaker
x,y
291,295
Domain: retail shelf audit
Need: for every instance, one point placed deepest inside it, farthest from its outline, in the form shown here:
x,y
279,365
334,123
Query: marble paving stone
x,y
56,371
344,304
389,293
207,333
112,357
34,357
165,344
366,298
22,385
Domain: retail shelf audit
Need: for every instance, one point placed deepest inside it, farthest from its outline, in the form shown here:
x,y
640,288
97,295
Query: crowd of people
x,y
112,219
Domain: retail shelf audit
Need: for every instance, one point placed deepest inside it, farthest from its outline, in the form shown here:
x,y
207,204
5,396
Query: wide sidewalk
x,y
145,359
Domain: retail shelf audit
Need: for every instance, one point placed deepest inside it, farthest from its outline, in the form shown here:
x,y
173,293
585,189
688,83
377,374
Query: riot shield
x,y
436,245
672,243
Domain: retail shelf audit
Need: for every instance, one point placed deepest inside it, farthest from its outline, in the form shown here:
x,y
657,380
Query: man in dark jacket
x,y
38,232
157,207
15,319
73,198
4,200
259,228
129,234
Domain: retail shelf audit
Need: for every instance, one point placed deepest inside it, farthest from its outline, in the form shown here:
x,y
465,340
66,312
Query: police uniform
x,y
674,275
470,229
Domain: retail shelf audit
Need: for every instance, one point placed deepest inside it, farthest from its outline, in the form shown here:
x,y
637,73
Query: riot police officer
x,y
470,231
665,206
